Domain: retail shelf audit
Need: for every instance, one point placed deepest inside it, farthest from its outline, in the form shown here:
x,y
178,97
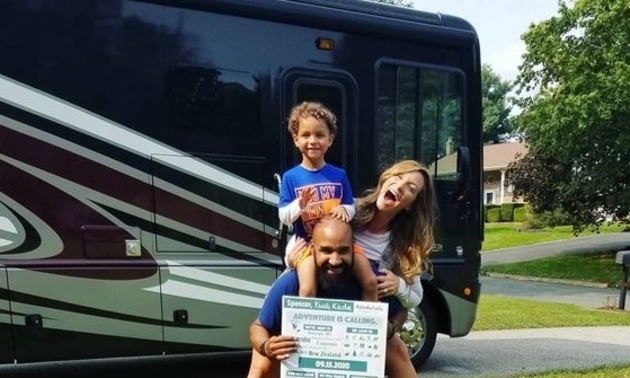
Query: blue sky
x,y
499,24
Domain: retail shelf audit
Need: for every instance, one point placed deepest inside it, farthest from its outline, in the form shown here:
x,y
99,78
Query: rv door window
x,y
419,116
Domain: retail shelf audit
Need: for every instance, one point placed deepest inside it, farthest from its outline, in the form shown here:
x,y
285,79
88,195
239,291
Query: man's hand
x,y
306,196
340,213
280,347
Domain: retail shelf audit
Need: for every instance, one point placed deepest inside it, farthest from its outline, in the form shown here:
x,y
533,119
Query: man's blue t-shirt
x,y
332,189
270,315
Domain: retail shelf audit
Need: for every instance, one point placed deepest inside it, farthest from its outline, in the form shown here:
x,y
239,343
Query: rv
x,y
141,144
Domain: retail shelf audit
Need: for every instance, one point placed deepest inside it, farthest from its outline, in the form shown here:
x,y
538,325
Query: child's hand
x,y
340,213
294,255
306,196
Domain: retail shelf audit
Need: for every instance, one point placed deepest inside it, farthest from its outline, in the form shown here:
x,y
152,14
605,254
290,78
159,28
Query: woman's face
x,y
399,192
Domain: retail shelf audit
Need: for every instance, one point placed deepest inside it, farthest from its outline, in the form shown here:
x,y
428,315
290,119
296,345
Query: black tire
x,y
419,333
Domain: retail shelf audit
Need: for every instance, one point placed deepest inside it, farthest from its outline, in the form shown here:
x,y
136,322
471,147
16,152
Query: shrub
x,y
494,215
520,214
518,205
487,207
547,219
507,212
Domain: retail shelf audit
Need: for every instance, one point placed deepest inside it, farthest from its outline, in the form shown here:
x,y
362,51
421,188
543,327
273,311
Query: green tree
x,y
497,124
400,3
576,79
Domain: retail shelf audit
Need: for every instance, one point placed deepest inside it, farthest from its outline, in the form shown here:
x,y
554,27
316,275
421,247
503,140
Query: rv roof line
x,y
379,9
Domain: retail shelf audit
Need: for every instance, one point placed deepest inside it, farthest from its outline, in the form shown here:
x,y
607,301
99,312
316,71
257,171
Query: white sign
x,y
336,338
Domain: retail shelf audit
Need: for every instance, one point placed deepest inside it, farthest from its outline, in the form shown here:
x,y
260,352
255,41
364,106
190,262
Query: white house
x,y
496,158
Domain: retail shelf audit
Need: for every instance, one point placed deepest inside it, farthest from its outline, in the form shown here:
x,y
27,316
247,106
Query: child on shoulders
x,y
315,188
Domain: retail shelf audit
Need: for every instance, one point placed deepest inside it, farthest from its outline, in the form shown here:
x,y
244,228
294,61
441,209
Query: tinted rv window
x,y
419,116
223,105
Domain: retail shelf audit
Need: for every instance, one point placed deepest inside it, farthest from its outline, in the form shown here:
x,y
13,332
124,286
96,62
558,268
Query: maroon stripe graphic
x,y
65,215
108,181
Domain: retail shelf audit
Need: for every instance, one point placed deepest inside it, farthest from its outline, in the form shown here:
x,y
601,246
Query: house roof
x,y
498,156
495,157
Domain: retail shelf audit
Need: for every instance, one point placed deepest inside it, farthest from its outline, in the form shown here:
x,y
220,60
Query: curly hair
x,y
412,232
314,109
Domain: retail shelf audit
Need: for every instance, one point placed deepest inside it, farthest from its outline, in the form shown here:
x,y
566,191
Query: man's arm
x,y
258,337
261,366
269,320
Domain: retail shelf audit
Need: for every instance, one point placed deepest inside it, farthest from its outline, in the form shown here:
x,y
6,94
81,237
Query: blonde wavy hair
x,y
412,231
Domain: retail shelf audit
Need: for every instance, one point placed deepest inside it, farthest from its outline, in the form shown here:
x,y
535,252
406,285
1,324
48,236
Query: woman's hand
x,y
295,253
388,283
280,347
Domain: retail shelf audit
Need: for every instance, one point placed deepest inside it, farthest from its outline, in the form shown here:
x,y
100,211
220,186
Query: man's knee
x,y
397,362
396,347
262,367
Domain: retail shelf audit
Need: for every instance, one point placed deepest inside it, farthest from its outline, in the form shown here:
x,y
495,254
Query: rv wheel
x,y
419,333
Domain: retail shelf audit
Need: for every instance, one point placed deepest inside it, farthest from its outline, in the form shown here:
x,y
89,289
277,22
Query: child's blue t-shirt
x,y
332,188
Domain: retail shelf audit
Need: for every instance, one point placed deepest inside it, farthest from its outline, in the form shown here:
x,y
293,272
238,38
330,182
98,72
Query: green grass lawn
x,y
504,235
497,312
595,267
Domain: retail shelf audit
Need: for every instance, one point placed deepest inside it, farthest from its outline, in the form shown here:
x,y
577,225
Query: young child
x,y
314,189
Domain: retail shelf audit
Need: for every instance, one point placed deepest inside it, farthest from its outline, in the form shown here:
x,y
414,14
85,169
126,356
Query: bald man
x,y
332,250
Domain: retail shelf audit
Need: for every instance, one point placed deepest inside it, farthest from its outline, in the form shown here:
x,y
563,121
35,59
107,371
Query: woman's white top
x,y
374,245
377,248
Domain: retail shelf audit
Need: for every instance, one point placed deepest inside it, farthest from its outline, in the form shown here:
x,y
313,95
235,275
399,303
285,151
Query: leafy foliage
x,y
496,109
576,80
535,177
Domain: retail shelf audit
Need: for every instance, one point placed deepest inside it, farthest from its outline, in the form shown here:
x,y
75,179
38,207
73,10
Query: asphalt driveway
x,y
526,351
581,244
582,294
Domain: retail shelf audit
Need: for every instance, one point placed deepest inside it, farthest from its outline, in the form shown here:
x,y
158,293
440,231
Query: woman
x,y
394,226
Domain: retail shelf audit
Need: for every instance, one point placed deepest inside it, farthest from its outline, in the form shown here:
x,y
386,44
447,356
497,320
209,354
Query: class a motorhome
x,y
141,144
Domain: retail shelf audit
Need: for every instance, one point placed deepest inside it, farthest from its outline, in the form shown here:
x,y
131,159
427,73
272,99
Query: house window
x,y
489,197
